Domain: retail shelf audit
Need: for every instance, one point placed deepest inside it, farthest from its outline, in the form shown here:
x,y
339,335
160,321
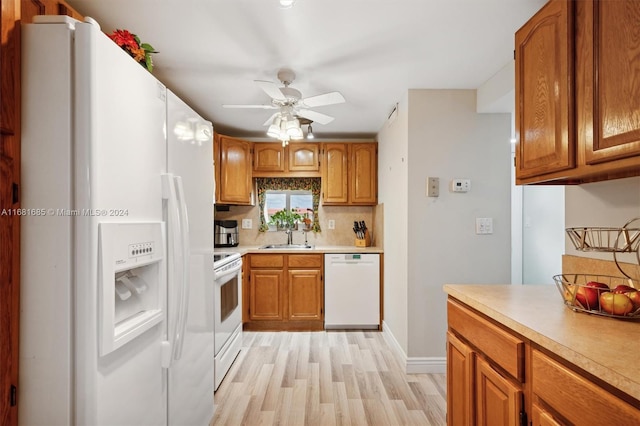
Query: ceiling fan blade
x,y
271,89
326,99
315,116
270,120
250,106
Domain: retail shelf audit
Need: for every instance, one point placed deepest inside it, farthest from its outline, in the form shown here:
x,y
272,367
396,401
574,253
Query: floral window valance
x,y
279,184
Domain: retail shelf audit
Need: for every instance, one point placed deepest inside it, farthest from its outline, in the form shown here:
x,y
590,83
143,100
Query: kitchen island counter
x,y
605,347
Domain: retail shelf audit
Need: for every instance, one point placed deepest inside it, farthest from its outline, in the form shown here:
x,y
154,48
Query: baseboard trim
x,y
413,365
426,365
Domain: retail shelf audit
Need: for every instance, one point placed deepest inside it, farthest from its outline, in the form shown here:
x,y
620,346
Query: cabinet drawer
x,y
305,260
267,261
501,346
576,398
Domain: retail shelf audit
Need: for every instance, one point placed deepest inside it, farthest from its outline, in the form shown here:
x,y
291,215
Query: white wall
x,y
602,204
448,139
393,193
431,241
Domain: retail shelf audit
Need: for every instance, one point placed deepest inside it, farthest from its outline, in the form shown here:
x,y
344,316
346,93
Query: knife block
x,y
364,242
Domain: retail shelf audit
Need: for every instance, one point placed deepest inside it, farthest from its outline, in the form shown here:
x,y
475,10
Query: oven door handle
x,y
226,273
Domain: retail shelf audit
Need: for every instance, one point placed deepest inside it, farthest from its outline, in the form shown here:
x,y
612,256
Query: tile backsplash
x,y
342,235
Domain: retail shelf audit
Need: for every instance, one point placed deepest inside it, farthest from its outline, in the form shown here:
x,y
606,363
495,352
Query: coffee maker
x,y
225,233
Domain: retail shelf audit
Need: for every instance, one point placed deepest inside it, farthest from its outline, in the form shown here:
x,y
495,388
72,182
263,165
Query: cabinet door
x,y
234,171
539,417
576,398
460,382
544,111
498,401
31,8
268,157
305,294
364,172
335,174
609,74
303,157
266,297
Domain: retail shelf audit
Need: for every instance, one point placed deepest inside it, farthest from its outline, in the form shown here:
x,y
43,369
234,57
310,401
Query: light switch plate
x,y
433,187
484,225
247,224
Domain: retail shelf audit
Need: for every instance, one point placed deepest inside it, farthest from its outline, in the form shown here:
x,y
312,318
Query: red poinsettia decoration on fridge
x,y
131,44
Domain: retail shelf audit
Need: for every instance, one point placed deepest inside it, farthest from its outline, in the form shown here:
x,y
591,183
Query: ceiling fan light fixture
x,y
274,128
310,132
293,129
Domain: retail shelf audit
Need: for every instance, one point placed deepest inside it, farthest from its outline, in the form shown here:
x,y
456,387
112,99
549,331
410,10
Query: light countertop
x,y
315,250
608,348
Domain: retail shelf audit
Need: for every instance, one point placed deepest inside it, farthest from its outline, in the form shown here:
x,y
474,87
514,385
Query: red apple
x,y
588,295
635,298
623,288
615,303
597,285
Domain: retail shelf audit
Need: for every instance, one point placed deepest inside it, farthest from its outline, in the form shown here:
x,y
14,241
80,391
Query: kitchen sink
x,y
287,247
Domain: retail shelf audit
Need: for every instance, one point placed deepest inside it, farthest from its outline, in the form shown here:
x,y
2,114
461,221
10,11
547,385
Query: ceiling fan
x,y
292,106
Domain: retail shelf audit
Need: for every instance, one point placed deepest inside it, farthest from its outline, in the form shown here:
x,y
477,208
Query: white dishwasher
x,y
351,291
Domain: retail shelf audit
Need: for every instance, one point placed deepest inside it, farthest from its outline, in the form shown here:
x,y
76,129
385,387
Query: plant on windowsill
x,y
285,219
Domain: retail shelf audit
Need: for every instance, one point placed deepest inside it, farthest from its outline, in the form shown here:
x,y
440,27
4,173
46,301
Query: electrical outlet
x,y
247,224
332,224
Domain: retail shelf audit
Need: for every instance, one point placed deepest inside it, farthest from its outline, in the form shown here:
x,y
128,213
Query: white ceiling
x,y
372,51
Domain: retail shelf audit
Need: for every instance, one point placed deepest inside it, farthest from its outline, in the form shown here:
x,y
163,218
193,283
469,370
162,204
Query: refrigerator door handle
x,y
176,252
186,278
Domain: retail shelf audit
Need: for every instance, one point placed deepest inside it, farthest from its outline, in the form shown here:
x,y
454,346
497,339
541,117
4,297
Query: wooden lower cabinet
x,y
460,382
498,401
305,294
571,398
540,417
266,287
521,383
477,394
284,292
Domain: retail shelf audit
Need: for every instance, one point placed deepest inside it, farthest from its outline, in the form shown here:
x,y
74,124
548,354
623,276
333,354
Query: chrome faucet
x,y
289,233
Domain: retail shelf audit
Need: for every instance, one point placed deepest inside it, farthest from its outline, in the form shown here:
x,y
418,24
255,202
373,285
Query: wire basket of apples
x,y
604,295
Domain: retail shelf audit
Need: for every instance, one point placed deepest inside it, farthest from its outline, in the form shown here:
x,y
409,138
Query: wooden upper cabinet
x,y
268,157
544,107
297,159
233,171
350,174
578,93
335,184
609,74
31,8
303,157
364,171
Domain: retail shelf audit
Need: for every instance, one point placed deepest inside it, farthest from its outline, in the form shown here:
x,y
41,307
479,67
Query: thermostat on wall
x,y
460,185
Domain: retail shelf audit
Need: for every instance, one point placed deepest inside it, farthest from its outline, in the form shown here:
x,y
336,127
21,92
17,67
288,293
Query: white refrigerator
x,y
116,313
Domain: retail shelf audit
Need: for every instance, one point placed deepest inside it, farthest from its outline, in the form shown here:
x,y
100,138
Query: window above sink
x,y
300,194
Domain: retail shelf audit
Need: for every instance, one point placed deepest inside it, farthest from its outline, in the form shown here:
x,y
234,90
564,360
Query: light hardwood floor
x,y
325,378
